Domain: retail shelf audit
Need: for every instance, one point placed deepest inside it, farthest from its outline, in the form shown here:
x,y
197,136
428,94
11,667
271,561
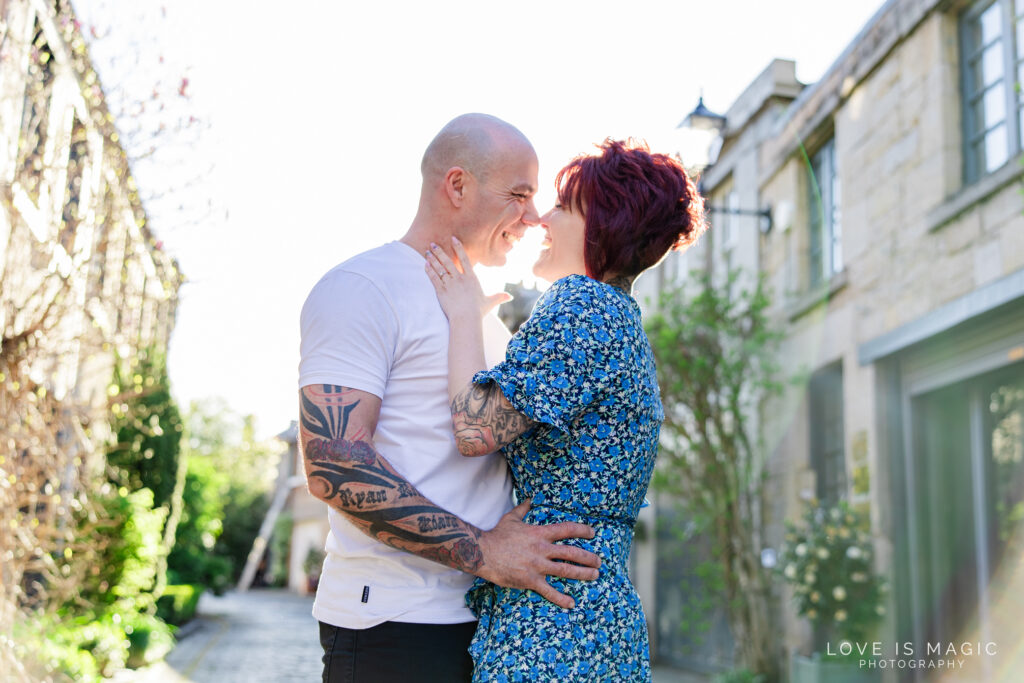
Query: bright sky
x,y
319,113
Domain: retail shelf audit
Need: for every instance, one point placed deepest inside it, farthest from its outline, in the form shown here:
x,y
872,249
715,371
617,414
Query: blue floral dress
x,y
581,367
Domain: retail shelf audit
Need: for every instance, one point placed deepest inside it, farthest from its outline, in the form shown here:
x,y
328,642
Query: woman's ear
x,y
456,182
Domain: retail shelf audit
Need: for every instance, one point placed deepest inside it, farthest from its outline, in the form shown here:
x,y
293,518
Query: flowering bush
x,y
828,561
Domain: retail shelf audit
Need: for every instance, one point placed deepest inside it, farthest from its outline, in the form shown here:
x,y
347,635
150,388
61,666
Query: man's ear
x,y
456,182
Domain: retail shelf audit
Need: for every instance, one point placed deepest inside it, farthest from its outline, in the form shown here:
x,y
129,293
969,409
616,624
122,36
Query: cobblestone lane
x,y
261,636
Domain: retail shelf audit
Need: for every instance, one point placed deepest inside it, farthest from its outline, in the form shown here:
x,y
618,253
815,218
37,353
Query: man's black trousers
x,y
397,652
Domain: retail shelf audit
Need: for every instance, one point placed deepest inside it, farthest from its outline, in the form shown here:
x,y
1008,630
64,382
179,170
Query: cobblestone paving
x,y
262,636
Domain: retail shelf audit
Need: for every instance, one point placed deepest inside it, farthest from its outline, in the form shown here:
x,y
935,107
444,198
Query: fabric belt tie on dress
x,y
588,517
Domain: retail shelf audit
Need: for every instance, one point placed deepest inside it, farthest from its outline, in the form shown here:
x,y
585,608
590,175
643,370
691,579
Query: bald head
x,y
474,142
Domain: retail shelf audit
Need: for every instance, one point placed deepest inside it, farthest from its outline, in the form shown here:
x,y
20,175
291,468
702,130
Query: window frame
x,y
824,212
828,458
971,95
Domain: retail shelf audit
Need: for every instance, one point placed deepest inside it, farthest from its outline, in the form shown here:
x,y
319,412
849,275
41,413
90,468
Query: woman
x,y
574,408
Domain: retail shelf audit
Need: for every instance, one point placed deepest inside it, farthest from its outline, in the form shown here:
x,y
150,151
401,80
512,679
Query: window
x,y
825,243
77,159
729,220
34,121
828,456
722,206
991,36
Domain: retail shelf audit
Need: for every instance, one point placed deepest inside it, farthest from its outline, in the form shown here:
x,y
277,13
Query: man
x,y
411,519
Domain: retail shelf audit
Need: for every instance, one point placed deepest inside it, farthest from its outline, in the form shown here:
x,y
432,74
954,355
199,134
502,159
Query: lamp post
x,y
711,125
702,118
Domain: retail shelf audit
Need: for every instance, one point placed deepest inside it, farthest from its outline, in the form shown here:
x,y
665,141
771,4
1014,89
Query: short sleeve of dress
x,y
567,356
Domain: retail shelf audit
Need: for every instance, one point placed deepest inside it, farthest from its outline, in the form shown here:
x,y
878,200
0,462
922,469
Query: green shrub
x,y
827,559
192,560
91,647
102,637
128,537
149,639
178,603
50,650
148,427
740,676
62,658
245,507
280,543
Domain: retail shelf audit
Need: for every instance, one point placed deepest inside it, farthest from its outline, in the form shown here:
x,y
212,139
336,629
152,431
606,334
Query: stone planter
x,y
815,670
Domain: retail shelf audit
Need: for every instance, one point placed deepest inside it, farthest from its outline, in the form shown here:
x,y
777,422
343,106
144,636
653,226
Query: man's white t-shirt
x,y
373,323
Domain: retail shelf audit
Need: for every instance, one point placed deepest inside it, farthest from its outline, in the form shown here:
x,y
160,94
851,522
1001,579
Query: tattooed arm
x,y
483,418
345,470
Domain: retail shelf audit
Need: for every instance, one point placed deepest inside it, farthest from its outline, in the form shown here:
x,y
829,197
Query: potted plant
x,y
827,559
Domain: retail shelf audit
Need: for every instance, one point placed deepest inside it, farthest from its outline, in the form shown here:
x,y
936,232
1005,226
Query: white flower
x,y
839,593
801,550
809,578
858,577
880,610
853,552
790,571
841,615
836,514
822,553
815,596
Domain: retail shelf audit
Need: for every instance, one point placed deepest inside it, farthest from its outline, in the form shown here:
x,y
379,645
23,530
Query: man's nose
x,y
530,216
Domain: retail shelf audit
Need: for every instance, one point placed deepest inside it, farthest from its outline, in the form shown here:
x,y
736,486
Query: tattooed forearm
x,y
346,471
484,419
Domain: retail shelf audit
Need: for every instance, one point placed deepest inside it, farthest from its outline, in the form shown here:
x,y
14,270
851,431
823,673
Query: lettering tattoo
x,y
484,419
435,522
345,470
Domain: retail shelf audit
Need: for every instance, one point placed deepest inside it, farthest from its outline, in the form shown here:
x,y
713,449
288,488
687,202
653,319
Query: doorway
x,y
966,511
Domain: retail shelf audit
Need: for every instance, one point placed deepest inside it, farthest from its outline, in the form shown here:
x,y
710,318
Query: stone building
x,y
895,255
70,208
83,281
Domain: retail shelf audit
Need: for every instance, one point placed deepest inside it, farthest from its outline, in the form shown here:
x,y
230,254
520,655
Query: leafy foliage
x,y
128,538
178,603
715,344
147,426
740,676
192,559
279,543
827,559
226,491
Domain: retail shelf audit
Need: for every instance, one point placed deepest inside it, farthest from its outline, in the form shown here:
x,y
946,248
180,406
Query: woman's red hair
x,y
636,207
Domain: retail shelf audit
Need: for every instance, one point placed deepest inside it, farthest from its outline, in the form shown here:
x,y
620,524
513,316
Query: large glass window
x,y
825,240
828,455
991,34
967,518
